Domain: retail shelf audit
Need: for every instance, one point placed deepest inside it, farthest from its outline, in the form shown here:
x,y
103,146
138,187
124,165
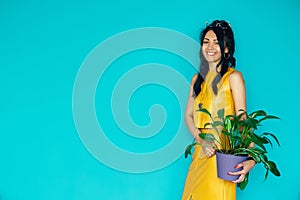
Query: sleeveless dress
x,y
202,182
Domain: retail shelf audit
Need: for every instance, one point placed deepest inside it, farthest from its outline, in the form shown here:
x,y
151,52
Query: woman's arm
x,y
188,117
189,120
237,86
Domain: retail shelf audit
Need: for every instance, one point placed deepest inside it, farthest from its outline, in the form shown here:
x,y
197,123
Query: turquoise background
x,y
42,46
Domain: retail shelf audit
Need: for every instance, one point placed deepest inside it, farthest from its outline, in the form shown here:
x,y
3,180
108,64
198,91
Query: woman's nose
x,y
210,46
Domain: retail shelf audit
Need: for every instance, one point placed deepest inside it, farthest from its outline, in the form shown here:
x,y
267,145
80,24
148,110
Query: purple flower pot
x,y
226,163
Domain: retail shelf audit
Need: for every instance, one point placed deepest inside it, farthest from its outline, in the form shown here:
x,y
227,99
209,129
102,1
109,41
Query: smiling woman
x,y
217,86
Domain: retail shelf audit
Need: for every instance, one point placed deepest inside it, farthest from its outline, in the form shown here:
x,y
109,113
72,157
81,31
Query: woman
x,y
217,86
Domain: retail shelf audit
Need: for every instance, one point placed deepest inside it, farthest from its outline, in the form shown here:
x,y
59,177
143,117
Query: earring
x,y
226,56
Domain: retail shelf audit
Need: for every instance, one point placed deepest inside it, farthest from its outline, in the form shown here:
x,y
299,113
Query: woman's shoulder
x,y
194,78
235,75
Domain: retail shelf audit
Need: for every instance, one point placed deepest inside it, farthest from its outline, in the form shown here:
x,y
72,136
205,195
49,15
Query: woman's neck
x,y
213,67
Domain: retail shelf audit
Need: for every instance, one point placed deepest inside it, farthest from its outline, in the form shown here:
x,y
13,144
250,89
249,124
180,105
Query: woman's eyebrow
x,y
215,39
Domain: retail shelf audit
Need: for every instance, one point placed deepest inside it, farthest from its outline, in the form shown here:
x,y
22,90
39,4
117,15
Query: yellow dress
x,y
202,182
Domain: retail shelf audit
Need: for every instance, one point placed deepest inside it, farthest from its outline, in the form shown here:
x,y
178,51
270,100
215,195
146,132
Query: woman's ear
x,y
226,50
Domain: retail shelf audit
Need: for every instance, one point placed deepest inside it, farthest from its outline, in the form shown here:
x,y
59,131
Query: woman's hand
x,y
208,149
247,166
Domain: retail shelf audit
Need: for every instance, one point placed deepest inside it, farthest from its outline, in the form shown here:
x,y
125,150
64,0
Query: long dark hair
x,y
225,38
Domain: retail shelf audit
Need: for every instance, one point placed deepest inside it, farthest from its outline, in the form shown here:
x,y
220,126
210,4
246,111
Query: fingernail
x,y
235,166
228,173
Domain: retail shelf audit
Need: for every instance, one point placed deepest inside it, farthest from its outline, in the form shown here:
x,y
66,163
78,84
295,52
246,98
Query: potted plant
x,y
240,132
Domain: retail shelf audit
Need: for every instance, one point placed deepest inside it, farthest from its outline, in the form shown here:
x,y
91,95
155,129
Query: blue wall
x,y
54,85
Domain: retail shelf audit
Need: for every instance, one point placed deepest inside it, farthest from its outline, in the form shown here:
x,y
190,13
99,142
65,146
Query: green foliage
x,y
240,132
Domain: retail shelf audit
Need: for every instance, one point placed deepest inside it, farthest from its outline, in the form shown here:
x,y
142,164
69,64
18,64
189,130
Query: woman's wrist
x,y
196,136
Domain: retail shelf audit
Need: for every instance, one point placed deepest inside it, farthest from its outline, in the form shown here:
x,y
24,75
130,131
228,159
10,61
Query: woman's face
x,y
211,49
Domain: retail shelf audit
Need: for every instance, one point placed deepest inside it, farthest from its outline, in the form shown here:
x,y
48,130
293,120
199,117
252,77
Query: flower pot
x,y
226,163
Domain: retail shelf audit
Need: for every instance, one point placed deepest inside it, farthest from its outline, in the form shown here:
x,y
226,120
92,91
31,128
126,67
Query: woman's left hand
x,y
246,167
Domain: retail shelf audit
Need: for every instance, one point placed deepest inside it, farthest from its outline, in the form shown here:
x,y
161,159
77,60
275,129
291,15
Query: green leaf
x,y
273,136
237,138
207,124
238,117
258,113
205,111
267,173
261,139
243,184
273,168
269,141
221,113
188,150
268,117
253,123
255,156
208,137
270,166
242,114
230,116
242,111
217,123
264,158
227,122
255,150
257,142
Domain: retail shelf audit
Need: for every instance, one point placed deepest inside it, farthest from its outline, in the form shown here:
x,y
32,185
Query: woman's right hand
x,y
208,149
